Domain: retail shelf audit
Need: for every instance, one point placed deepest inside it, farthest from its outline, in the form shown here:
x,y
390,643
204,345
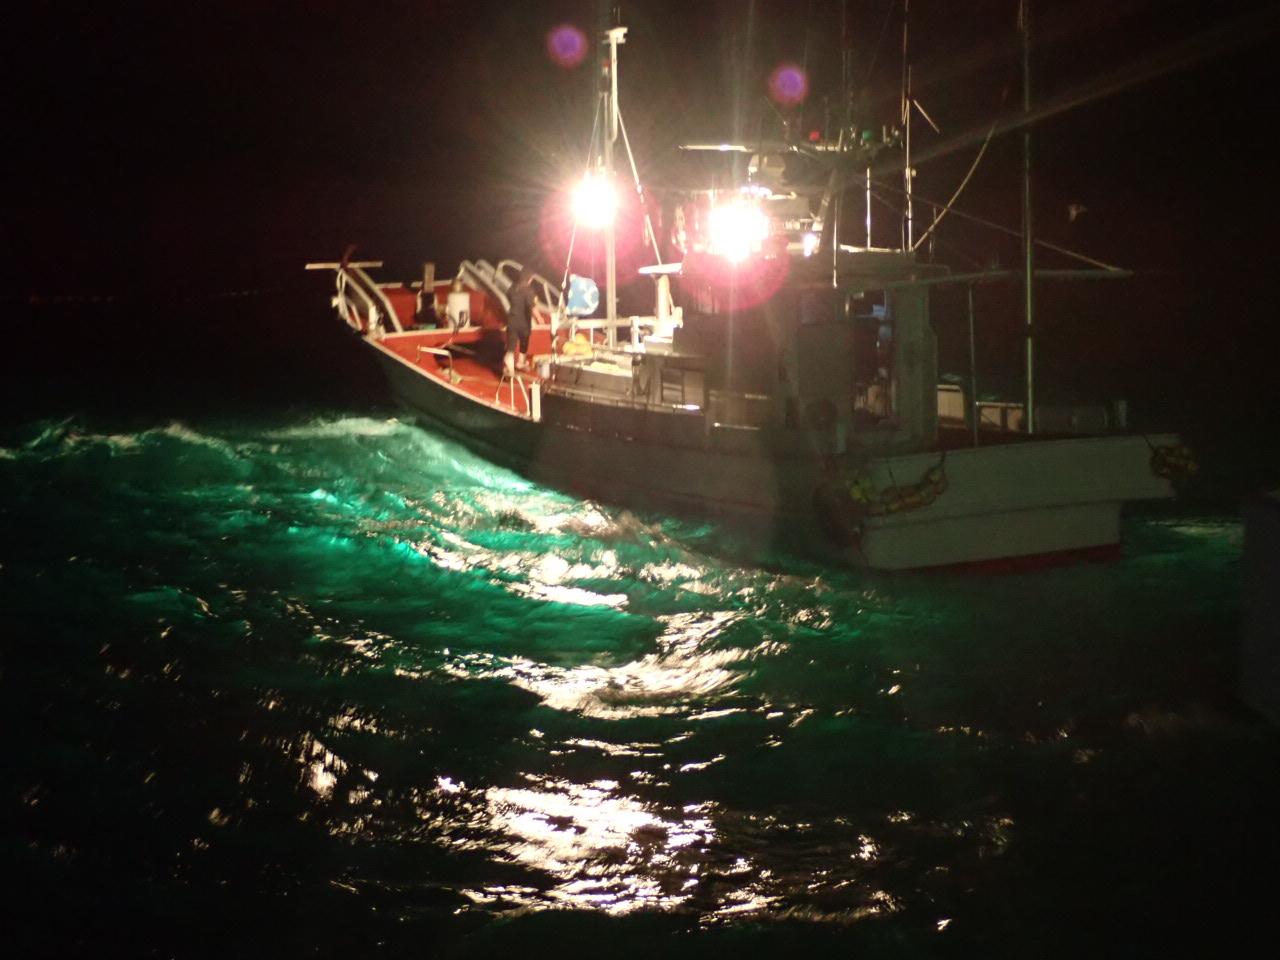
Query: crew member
x,y
519,323
678,240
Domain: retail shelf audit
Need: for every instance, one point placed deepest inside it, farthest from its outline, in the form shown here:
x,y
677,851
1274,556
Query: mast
x,y
1024,25
846,129
613,37
906,126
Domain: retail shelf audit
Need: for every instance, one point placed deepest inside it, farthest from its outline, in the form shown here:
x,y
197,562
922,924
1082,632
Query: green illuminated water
x,y
333,685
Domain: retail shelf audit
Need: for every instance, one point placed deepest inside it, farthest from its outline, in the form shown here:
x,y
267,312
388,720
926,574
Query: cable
x,y
884,28
1000,228
964,182
573,234
635,173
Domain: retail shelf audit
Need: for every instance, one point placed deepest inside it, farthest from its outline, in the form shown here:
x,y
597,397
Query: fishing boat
x,y
785,379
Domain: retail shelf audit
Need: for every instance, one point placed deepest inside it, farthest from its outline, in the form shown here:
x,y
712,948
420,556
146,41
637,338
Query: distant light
x,y
788,84
810,242
595,202
815,136
737,230
566,45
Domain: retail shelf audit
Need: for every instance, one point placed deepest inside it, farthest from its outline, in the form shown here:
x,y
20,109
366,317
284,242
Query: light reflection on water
x,y
683,669
606,851
542,703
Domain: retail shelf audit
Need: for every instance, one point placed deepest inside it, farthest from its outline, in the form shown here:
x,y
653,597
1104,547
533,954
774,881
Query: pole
x,y
613,37
868,204
1028,283
835,193
973,372
906,124
846,130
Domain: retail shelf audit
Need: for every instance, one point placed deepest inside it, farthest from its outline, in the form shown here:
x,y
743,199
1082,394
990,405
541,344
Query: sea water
x,y
329,684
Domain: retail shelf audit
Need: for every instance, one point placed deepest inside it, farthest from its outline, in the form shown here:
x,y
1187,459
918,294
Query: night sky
x,y
159,148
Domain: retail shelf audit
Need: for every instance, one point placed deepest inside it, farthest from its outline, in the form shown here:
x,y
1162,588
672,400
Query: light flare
x,y
595,202
566,45
737,230
788,84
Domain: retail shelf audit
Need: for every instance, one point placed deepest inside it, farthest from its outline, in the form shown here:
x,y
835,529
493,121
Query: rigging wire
x,y
1001,228
884,29
573,233
808,28
955,250
946,208
644,207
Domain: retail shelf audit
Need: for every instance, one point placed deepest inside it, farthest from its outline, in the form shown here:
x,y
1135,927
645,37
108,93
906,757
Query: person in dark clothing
x,y
519,322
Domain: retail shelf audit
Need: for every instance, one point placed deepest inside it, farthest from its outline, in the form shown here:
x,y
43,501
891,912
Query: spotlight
x,y
595,202
737,230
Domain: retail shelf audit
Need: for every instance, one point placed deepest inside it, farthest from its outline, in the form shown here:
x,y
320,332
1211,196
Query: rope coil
x,y
843,502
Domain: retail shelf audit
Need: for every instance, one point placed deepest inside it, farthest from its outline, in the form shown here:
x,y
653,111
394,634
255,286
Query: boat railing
x,y
479,275
497,280
596,397
501,276
369,297
724,407
447,355
634,324
508,271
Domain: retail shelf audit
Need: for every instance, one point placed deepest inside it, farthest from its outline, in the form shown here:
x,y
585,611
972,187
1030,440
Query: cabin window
x,y
873,360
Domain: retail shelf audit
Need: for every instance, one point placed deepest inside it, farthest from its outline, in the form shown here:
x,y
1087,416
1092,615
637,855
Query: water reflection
x,y
497,698
595,846
605,850
686,667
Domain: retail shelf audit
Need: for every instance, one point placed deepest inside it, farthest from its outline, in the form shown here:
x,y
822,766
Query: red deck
x,y
464,369
474,363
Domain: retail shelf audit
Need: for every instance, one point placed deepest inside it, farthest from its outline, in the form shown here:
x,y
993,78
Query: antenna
x,y
906,127
1024,25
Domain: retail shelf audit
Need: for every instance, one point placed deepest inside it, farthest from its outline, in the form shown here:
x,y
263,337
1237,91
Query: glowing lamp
x,y
595,203
737,230
811,241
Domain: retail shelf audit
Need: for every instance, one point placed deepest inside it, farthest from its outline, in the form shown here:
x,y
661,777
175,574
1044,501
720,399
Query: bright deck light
x,y
738,230
595,202
811,241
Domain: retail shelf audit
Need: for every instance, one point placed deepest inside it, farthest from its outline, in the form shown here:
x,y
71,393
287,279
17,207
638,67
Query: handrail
x,y
375,290
579,393
438,352
500,272
484,276
371,300
549,293
378,307
345,302
473,275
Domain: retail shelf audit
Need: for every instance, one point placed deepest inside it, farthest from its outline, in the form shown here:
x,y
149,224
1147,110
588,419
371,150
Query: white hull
x,y
1019,500
1031,499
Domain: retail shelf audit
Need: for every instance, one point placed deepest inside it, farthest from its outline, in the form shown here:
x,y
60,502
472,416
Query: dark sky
x,y
227,142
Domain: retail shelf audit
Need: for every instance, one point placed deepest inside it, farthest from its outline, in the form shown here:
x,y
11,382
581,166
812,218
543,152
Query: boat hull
x,y
1034,502
1035,499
